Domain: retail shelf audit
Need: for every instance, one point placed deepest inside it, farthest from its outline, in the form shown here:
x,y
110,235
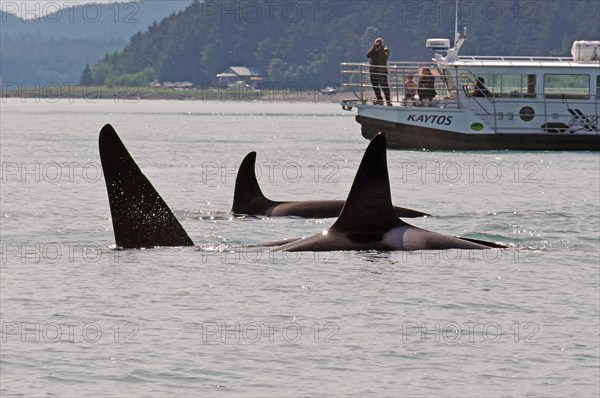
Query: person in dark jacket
x,y
379,54
480,88
426,87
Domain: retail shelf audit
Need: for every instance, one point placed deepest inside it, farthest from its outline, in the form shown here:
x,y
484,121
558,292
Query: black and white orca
x,y
248,199
368,220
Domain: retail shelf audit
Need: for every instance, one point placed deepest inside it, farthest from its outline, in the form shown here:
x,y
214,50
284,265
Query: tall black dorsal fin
x,y
247,196
140,217
369,206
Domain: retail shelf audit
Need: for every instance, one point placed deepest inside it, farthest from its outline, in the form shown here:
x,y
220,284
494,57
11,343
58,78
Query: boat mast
x,y
456,24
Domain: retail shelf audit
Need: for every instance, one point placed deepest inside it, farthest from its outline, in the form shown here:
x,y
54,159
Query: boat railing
x,y
451,88
475,58
356,78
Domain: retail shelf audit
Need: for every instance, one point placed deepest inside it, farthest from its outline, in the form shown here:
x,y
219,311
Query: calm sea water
x,y
81,319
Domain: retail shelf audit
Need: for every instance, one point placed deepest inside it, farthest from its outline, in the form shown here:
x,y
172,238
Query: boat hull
x,y
403,136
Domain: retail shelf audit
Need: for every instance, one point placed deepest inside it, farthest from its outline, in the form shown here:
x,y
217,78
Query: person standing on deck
x,y
379,54
410,90
426,87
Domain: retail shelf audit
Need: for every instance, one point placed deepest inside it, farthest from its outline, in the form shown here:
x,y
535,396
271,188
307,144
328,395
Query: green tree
x,y
101,71
86,76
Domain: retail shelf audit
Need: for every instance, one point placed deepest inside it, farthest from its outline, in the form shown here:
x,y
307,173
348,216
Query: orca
x,y
140,217
368,220
248,199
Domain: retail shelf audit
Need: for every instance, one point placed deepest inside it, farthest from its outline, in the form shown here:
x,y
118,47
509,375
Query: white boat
x,y
528,103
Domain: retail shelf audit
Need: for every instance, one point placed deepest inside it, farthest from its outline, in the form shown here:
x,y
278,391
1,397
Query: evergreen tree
x,y
86,76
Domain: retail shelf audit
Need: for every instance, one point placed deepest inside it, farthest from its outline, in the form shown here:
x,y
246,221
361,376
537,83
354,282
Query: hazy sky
x,y
37,8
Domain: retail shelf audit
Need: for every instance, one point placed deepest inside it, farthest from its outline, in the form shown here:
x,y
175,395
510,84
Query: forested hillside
x,y
304,41
55,47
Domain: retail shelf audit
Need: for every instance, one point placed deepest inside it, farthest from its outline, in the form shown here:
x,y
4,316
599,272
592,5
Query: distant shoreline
x,y
94,93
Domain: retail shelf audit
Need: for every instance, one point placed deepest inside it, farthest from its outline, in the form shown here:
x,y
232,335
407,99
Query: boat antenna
x,y
456,25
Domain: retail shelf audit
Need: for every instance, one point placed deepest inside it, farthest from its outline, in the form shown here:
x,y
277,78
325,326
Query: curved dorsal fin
x,y
140,217
369,206
247,196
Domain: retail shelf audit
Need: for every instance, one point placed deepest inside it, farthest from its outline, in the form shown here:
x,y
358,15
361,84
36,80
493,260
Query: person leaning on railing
x,y
426,87
410,90
379,54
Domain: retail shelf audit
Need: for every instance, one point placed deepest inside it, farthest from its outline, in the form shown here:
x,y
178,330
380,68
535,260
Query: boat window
x,y
566,86
531,86
514,86
511,85
598,86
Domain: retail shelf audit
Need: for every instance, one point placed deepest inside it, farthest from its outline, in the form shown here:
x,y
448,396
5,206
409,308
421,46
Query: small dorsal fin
x,y
369,206
247,196
140,217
